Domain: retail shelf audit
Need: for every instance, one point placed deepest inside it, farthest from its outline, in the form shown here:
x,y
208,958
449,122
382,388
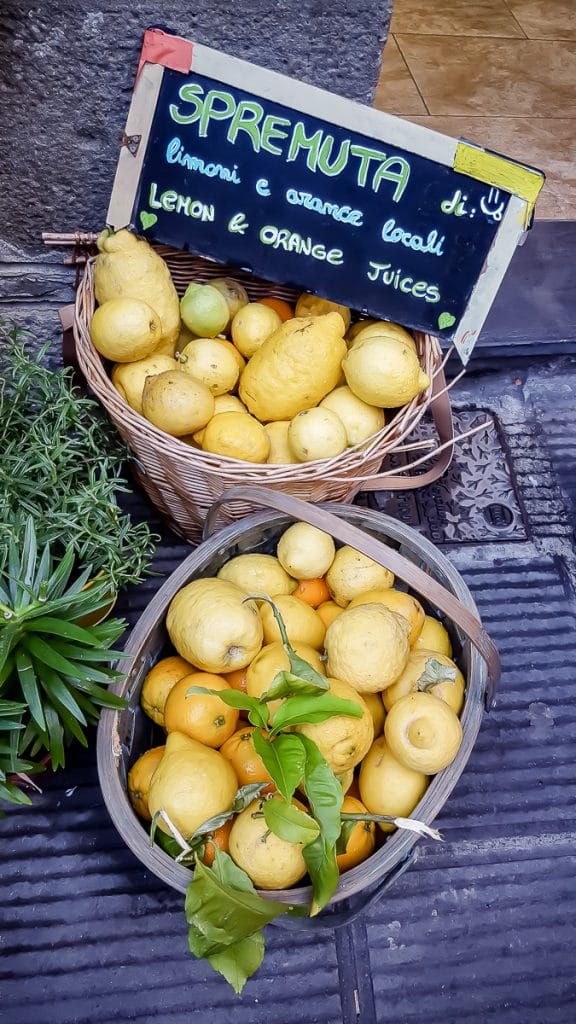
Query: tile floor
x,y
501,73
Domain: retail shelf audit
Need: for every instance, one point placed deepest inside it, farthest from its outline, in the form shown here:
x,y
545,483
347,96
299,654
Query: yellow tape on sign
x,y
500,172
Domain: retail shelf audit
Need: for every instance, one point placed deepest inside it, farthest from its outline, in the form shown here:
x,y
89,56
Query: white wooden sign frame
x,y
521,182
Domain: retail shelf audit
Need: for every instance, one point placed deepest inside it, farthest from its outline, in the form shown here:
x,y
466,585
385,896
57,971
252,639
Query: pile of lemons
x,y
343,616
258,381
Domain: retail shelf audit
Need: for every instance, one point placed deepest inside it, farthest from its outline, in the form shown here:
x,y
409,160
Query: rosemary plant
x,y
61,463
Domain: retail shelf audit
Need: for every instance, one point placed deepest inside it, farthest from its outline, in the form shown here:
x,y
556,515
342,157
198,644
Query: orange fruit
x,y
362,838
159,682
139,778
312,592
247,764
328,611
200,716
219,838
237,679
284,309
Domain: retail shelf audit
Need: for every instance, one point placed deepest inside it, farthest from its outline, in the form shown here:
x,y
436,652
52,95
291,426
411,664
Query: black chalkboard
x,y
247,180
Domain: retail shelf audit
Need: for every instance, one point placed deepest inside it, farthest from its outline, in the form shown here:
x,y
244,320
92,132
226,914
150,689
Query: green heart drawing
x,y
148,219
444,320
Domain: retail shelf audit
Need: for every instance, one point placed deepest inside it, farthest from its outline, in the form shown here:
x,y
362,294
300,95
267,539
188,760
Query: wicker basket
x,y
124,735
183,482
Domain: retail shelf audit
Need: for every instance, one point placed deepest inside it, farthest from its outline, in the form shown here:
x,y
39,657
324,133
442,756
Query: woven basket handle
x,y
381,553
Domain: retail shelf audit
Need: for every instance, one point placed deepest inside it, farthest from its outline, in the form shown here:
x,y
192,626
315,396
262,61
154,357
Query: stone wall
x,y
65,88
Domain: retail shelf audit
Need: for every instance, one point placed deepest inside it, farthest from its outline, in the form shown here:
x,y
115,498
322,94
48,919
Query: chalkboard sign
x,y
301,187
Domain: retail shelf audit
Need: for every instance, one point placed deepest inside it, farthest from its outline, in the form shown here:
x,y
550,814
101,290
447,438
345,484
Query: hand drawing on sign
x,y
490,207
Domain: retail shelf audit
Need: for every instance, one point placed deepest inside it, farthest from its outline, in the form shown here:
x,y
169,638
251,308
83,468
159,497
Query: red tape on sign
x,y
170,51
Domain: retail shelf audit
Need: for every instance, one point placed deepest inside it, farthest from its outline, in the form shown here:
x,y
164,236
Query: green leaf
x,y
58,627
7,669
344,837
43,568
259,716
240,961
299,668
13,794
285,683
14,573
290,823
320,857
41,651
99,695
59,578
323,790
29,687
57,690
9,636
233,698
55,737
245,795
167,843
30,552
298,710
284,759
222,907
82,654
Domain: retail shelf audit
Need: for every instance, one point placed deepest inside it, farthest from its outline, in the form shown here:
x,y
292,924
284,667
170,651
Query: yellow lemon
x,y
328,611
125,330
191,784
313,305
129,378
294,368
384,372
233,350
342,740
360,420
251,327
399,602
176,403
316,434
273,659
280,452
236,435
355,329
158,683
387,786
305,551
427,665
128,266
222,403
257,574
377,710
367,647
423,733
383,329
303,624
271,862
212,626
139,778
433,637
353,573
208,361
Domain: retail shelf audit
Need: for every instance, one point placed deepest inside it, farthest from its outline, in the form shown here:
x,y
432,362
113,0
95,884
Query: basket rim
x,y
401,843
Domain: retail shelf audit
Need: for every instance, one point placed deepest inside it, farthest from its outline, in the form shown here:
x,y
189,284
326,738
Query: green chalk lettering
x,y
247,117
168,201
270,131
339,163
189,93
300,141
400,176
365,155
153,202
211,110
